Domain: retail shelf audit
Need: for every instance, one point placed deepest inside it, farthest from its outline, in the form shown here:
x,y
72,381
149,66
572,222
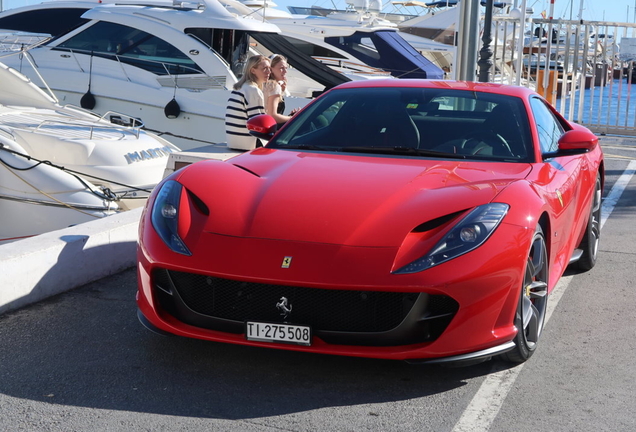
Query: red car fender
x,y
526,206
527,210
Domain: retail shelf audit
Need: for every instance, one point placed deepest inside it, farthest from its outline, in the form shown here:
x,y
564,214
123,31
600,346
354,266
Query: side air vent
x,y
436,223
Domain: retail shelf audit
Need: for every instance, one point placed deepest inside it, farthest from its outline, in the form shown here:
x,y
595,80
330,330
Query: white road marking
x,y
617,190
485,405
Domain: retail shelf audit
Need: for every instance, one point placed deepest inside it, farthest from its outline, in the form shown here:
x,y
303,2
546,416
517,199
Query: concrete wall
x,y
39,267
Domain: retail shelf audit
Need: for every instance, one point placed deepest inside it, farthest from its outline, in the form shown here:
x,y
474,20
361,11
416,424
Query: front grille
x,y
223,304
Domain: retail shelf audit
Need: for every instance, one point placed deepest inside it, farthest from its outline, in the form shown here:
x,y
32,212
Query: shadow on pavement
x,y
86,348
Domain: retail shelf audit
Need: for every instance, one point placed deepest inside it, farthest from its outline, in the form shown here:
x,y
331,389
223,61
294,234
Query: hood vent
x,y
249,171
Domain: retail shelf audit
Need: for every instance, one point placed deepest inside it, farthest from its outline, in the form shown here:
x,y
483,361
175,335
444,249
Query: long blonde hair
x,y
248,75
277,58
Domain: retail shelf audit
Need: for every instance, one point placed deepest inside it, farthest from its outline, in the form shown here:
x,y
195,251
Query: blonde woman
x,y
275,90
245,102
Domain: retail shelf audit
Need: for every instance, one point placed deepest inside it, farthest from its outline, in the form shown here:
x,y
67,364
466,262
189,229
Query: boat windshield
x,y
132,46
389,51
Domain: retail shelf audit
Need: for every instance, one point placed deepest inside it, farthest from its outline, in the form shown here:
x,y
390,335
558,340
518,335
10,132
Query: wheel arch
x,y
546,225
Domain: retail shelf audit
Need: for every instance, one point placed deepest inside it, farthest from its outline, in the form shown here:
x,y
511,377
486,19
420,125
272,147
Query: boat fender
x,y
88,101
172,109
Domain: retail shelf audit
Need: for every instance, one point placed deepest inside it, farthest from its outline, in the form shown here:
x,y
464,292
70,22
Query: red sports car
x,y
425,221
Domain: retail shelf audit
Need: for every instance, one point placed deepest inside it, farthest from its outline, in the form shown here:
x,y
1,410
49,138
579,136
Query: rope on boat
x,y
107,193
48,195
162,133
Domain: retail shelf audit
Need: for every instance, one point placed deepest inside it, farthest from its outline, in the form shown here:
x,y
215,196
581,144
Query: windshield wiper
x,y
402,151
305,147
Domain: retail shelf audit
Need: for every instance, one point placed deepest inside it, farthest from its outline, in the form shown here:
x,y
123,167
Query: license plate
x,y
287,333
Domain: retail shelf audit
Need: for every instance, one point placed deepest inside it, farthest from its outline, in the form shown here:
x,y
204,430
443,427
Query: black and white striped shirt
x,y
243,104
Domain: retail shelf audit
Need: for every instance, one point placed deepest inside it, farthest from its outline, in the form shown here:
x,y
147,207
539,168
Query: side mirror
x,y
577,140
262,126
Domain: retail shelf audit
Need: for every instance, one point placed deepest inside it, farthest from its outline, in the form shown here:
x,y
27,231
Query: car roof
x,y
509,90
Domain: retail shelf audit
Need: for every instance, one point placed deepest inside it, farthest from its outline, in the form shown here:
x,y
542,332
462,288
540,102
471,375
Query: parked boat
x,y
429,27
356,41
60,166
169,66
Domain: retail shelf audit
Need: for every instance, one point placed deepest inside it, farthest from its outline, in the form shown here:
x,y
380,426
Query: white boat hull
x,y
41,199
61,166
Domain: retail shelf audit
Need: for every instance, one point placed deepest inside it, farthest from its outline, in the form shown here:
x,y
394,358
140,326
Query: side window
x,y
134,47
548,127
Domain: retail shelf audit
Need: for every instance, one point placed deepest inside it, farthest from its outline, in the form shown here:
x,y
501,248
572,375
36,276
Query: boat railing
x,y
93,125
114,117
25,54
19,41
165,71
159,67
6,132
117,118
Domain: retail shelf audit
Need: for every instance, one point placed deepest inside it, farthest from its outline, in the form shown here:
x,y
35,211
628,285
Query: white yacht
x,y
60,166
169,66
357,42
429,27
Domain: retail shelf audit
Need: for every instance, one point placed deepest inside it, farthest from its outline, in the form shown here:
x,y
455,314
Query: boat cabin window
x,y
132,46
231,45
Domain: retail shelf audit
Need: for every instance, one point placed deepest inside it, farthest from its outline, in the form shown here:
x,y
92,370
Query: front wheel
x,y
592,236
533,301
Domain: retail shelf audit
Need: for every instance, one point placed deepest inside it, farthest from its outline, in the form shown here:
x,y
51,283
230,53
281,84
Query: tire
x,y
591,238
533,301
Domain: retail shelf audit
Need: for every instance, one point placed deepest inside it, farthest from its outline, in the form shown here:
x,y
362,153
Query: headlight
x,y
165,216
470,233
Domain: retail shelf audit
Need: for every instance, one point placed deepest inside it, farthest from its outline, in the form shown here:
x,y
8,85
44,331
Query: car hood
x,y
371,201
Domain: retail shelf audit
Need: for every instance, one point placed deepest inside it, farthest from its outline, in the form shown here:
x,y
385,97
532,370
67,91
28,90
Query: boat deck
x,y
50,122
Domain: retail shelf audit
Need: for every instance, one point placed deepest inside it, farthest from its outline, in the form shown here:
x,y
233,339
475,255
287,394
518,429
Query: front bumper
x,y
483,287
463,359
337,316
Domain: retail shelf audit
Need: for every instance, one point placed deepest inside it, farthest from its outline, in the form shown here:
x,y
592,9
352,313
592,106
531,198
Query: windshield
x,y
413,122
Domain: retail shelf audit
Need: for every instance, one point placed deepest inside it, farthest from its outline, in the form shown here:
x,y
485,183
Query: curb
x,y
39,267
42,266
